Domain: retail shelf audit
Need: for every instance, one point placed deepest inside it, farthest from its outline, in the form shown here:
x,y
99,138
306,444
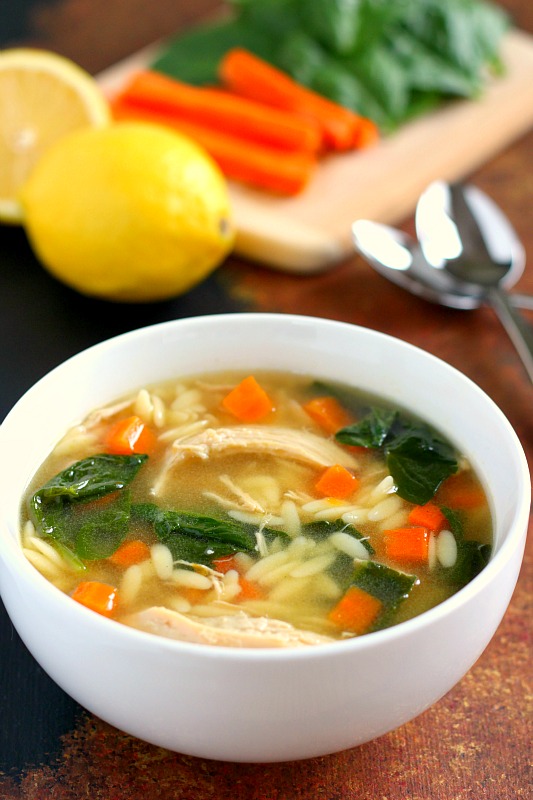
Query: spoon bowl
x,y
399,257
464,234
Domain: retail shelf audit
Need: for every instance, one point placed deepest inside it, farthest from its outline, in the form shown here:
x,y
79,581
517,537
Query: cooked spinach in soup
x,y
266,510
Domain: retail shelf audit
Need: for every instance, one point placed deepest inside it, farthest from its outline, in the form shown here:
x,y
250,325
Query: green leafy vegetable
x,y
388,59
390,586
195,538
472,556
417,458
67,507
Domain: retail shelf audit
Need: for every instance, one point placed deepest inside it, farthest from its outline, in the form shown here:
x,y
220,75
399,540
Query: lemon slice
x,y
42,97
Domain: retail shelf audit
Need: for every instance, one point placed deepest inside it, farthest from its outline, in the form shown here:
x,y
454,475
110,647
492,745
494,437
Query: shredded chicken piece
x,y
295,445
234,630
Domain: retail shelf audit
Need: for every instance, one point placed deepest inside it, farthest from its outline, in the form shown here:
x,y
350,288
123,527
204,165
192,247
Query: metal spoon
x,y
399,258
464,235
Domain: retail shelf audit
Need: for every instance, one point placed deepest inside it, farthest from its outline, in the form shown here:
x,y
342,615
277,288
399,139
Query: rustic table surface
x,y
476,742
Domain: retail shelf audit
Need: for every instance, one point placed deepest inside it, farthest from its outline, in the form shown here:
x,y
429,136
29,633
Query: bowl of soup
x,y
258,537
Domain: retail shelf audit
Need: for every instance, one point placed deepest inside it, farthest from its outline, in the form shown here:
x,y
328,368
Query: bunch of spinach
x,y
417,458
387,59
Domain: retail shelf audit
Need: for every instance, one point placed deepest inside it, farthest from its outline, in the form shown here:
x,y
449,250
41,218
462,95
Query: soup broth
x,y
265,510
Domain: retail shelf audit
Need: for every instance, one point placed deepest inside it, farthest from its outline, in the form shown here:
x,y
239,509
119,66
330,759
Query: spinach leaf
x,y
417,458
388,585
425,69
472,556
101,529
195,538
92,477
372,431
336,23
64,508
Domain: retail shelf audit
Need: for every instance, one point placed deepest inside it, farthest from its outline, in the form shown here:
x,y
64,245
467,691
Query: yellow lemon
x,y
42,97
132,212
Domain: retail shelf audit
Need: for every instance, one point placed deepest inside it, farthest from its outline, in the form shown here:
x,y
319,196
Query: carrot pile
x,y
260,126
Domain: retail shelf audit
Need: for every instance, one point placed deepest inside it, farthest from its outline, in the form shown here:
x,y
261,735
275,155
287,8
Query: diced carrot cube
x,y
98,596
356,611
407,544
428,516
133,552
328,413
338,482
248,401
129,435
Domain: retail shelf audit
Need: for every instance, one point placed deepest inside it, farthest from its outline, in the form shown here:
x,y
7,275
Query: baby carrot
x,y
248,401
267,168
223,111
245,73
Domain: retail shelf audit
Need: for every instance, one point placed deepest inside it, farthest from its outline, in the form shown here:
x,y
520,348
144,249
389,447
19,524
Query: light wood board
x,y
311,232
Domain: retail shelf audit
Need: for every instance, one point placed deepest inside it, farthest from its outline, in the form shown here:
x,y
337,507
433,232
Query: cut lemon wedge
x,y
42,97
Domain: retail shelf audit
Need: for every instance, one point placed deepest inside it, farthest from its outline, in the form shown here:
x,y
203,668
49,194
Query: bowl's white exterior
x,y
242,705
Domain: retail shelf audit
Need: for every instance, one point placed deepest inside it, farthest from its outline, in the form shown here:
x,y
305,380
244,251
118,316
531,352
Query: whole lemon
x,y
131,212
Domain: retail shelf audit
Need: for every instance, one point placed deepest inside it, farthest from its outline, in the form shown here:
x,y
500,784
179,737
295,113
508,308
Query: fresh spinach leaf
x,y
372,431
63,508
472,556
388,585
101,529
417,458
195,538
92,477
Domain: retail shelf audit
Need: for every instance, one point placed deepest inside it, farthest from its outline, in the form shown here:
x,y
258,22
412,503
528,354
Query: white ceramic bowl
x,y
254,705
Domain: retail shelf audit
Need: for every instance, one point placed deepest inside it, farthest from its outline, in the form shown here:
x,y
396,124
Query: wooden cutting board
x,y
311,232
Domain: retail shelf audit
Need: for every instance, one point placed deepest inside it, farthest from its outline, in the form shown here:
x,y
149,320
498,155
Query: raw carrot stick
x,y
98,596
407,544
248,75
248,401
260,166
428,516
328,413
132,552
223,111
356,611
129,435
336,481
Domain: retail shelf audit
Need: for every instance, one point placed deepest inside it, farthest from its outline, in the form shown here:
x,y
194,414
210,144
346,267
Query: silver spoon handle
x,y
516,327
524,301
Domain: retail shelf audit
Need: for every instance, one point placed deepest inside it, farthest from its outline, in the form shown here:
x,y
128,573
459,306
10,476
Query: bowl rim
x,y
14,558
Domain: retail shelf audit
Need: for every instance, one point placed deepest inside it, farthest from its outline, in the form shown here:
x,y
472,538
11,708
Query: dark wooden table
x,y
476,742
